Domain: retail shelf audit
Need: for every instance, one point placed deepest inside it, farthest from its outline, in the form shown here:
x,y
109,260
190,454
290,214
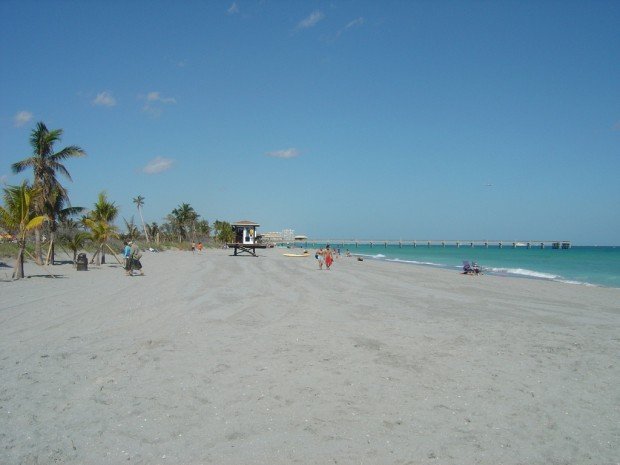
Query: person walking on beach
x,y
319,256
193,247
329,259
127,257
199,247
136,255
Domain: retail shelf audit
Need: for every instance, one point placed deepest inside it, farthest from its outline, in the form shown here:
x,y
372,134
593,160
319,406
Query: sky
x,y
337,119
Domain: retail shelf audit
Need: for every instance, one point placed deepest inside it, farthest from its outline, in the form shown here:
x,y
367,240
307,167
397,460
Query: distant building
x,y
271,238
288,235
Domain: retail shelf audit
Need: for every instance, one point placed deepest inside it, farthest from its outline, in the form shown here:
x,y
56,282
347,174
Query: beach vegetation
x,y
77,242
101,232
139,201
46,165
19,216
153,230
102,217
203,230
182,221
133,233
58,213
223,231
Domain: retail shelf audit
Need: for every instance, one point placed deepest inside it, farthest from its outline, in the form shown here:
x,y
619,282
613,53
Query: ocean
x,y
597,266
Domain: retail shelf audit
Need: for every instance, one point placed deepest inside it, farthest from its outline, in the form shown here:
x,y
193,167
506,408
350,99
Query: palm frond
x,y
71,151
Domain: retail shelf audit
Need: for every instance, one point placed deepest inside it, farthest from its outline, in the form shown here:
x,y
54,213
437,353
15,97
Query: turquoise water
x,y
598,266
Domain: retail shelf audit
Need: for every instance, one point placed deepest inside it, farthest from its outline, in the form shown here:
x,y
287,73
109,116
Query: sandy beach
x,y
213,359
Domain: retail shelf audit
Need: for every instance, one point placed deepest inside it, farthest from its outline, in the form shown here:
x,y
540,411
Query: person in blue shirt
x,y
127,256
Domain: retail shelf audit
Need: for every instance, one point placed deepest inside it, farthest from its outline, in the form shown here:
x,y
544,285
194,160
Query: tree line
x,y
41,209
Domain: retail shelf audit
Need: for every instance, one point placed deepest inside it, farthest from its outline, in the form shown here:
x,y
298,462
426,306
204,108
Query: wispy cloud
x,y
154,103
286,153
311,20
233,9
104,99
3,179
355,23
156,97
349,26
21,118
158,165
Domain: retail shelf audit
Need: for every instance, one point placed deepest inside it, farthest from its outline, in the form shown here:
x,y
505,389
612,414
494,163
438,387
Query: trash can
x,y
82,262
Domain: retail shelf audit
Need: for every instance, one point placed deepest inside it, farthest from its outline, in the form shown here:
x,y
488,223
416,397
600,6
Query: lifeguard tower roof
x,y
245,223
301,238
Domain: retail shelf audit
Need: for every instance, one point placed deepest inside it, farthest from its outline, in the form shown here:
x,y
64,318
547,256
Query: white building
x,y
288,235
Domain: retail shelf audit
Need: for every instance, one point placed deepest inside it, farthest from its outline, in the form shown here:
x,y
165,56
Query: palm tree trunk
x,y
49,253
102,254
146,234
38,256
51,256
18,271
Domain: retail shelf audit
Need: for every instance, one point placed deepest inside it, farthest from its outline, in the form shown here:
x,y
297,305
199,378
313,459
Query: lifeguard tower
x,y
245,238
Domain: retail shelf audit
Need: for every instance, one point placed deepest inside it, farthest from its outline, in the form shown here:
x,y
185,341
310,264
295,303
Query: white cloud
x,y
311,20
21,118
287,153
3,179
156,97
105,99
350,25
355,23
158,165
234,8
154,102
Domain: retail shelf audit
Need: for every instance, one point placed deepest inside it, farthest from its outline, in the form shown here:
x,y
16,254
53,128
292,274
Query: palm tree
x,y
133,232
104,212
223,231
183,216
153,229
19,217
139,201
101,232
45,165
77,242
203,228
57,212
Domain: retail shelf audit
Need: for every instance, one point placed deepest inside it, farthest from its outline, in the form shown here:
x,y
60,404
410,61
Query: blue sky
x,y
338,119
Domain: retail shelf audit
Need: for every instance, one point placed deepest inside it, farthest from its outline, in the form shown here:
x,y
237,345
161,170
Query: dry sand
x,y
213,359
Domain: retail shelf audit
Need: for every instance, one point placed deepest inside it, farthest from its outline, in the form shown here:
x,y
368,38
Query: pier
x,y
528,244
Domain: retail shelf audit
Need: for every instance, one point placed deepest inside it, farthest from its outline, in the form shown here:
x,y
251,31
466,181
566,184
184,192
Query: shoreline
x,y
502,266
219,359
528,274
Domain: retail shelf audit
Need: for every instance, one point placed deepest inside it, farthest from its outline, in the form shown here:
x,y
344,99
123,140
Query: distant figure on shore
x,y
329,259
193,247
319,255
127,257
470,269
199,247
136,255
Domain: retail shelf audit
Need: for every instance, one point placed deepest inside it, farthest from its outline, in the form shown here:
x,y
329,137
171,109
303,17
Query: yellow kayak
x,y
296,254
